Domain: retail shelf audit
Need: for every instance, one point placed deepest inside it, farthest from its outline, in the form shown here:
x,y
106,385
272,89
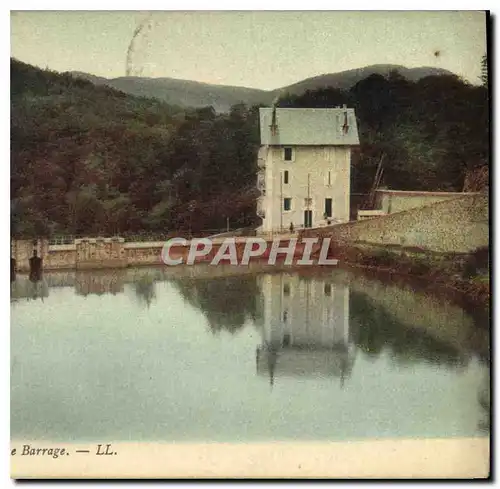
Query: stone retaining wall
x,y
100,253
455,226
97,253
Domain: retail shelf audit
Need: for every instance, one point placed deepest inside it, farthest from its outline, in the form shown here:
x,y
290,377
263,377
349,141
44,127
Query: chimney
x,y
274,125
345,127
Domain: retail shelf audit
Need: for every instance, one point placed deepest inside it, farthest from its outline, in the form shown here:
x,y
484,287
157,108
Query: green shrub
x,y
384,258
470,267
482,256
420,267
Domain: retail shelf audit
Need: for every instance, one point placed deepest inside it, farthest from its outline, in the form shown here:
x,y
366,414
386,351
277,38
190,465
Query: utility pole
x,y
281,202
309,221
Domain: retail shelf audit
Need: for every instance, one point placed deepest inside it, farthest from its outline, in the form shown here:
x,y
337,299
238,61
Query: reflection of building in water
x,y
97,282
62,278
24,288
306,328
145,289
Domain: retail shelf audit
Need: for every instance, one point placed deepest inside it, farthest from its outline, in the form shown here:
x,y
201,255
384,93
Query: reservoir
x,y
230,354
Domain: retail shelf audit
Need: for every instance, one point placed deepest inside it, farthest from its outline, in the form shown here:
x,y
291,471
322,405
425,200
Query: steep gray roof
x,y
315,127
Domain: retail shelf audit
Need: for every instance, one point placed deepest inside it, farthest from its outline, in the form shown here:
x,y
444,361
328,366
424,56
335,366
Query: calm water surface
x,y
146,355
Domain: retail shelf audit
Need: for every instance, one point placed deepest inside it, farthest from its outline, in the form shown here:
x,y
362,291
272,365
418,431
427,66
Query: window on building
x,y
285,177
328,289
328,207
287,204
288,154
329,179
286,290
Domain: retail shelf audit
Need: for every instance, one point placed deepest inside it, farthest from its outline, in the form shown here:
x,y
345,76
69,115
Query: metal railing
x,y
67,239
63,240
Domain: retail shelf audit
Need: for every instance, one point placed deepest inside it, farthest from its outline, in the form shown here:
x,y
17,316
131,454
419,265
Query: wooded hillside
x,y
90,160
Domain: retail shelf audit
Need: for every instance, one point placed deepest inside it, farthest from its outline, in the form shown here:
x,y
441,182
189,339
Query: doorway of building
x,y
308,219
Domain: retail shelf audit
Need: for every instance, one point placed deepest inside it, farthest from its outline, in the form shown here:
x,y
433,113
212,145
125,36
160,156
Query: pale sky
x,y
261,49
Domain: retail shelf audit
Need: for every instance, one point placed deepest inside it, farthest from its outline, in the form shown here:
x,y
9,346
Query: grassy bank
x,y
465,276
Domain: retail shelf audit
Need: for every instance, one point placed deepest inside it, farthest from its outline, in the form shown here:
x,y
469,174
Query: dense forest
x,y
432,134
91,160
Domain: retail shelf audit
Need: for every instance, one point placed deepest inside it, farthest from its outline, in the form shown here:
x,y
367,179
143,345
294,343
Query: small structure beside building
x,y
305,167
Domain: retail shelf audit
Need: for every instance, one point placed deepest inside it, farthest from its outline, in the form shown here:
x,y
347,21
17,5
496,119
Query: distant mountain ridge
x,y
185,93
346,79
197,94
